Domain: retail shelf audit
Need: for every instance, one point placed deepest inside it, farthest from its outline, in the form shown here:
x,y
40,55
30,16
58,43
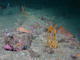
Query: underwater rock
x,y
7,47
24,48
62,30
18,42
74,57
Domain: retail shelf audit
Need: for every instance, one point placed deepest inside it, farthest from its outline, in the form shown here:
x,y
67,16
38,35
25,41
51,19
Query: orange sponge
x,y
21,29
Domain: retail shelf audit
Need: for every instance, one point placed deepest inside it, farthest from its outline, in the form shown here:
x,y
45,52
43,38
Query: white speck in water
x,y
43,57
35,58
16,54
28,55
5,29
1,57
22,53
67,54
8,34
54,55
